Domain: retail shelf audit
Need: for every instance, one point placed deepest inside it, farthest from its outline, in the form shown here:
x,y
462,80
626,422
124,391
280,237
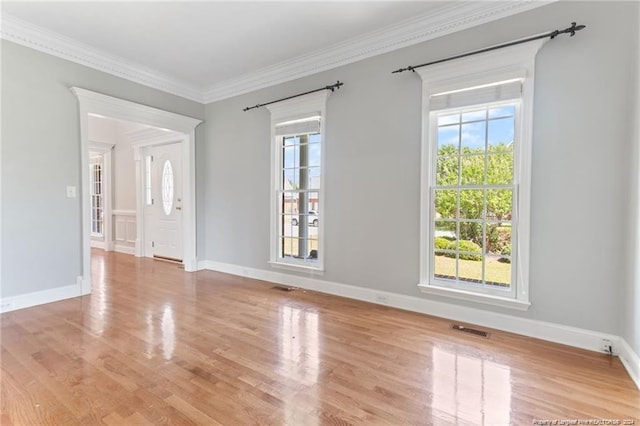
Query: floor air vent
x,y
470,330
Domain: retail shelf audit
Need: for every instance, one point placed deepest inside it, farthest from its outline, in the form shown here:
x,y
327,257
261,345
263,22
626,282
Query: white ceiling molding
x,y
454,16
35,37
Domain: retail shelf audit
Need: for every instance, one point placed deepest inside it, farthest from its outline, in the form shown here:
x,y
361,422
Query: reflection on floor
x,y
154,344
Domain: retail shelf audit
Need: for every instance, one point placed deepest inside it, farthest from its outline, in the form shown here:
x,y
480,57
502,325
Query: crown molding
x,y
453,17
43,40
450,18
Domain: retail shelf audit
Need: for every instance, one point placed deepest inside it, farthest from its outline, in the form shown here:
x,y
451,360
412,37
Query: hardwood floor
x,y
154,345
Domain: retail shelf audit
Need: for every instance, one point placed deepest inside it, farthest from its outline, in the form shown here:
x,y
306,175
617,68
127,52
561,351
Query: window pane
x,y
444,265
289,225
288,245
498,238
147,173
473,138
306,223
446,230
470,237
446,203
503,111
471,203
501,134
291,141
448,140
444,245
500,169
314,155
497,271
499,204
447,172
291,179
474,115
312,249
289,202
472,170
295,247
302,249
313,177
167,187
470,269
291,157
313,199
448,119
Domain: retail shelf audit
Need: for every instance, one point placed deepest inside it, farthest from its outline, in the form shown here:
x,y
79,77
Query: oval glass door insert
x,y
167,187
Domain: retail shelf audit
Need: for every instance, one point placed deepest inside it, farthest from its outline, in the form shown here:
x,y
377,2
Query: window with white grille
x,y
476,174
297,164
97,198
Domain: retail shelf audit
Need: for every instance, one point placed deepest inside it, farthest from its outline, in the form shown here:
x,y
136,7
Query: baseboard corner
x,y
630,360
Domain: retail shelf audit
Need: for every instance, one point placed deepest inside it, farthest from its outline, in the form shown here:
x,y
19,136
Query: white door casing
x,y
108,106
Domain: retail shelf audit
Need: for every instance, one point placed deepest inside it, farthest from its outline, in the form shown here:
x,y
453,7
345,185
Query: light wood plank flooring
x,y
156,345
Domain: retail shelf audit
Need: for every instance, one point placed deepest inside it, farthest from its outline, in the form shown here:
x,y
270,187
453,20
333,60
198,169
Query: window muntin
x,y
97,199
297,188
299,197
473,198
494,78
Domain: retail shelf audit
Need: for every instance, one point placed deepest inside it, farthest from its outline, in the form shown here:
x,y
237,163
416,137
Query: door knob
x,y
178,208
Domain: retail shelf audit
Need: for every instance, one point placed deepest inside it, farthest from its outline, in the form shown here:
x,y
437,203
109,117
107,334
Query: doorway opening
x,y
158,128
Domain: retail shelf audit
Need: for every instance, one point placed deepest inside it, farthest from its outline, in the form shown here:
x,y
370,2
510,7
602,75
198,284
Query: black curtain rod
x,y
332,87
553,34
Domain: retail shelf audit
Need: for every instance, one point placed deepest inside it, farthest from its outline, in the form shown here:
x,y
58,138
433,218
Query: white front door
x,y
164,211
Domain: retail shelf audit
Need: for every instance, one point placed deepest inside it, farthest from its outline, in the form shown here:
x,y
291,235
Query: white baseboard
x,y
97,244
567,335
123,248
630,360
8,304
84,285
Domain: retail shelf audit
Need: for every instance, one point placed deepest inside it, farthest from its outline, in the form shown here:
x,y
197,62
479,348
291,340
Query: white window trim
x,y
313,104
515,62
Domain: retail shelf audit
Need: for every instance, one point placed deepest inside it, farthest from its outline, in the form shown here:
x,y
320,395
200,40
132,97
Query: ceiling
x,y
211,50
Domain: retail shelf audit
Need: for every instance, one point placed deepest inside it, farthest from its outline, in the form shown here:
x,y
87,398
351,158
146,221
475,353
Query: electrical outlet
x,y
607,346
382,299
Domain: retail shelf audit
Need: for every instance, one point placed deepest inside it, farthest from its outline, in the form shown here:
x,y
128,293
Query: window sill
x,y
502,302
295,267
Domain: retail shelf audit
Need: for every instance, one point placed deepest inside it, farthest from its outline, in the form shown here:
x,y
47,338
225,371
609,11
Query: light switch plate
x,y
71,192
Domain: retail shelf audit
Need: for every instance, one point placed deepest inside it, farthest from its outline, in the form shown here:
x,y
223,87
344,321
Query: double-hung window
x,y
297,219
476,162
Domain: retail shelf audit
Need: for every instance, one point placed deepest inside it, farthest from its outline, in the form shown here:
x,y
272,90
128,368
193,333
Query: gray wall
x,y
631,295
41,239
584,178
123,188
580,167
